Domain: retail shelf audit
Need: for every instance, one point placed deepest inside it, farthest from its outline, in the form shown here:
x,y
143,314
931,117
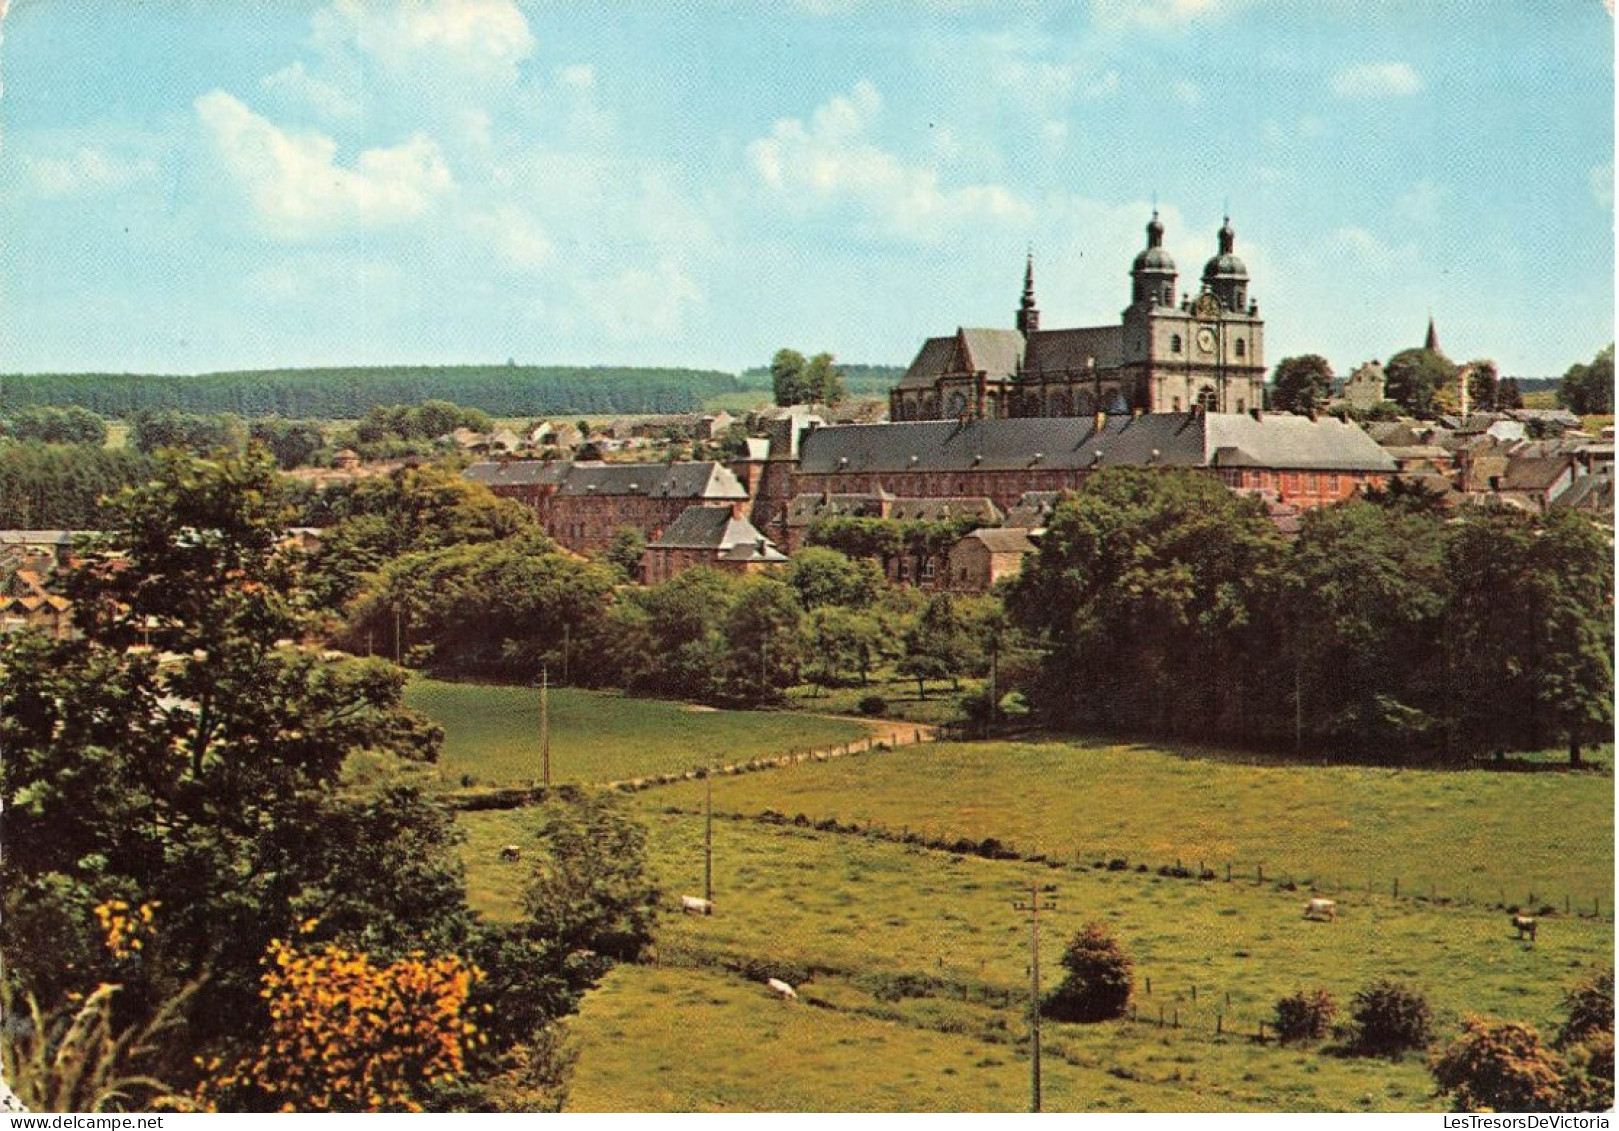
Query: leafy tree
x,y
590,894
198,434
48,424
1529,630
822,380
1099,978
1389,1018
1590,1009
764,641
182,754
1365,600
1588,389
63,486
1484,386
505,608
822,576
1509,396
625,551
1500,1066
292,442
1302,384
880,539
840,640
1415,379
668,639
787,377
1146,581
938,647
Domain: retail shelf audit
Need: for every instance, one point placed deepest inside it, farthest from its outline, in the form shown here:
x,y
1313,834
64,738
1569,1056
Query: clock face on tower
x,y
1205,339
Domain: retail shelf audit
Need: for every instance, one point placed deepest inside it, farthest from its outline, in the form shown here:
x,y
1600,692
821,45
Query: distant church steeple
x,y
1028,314
1431,344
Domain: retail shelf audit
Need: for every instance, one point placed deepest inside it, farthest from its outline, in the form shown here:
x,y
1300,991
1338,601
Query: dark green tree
x,y
1415,379
624,552
1588,389
1484,386
1100,976
787,377
1302,384
51,425
822,380
823,576
938,646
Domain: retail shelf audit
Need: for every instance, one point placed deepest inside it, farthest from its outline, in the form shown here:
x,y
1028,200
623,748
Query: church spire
x,y
1431,344
1028,314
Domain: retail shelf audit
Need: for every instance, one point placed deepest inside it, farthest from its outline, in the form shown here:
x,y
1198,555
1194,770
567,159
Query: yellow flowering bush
x,y
349,1034
127,928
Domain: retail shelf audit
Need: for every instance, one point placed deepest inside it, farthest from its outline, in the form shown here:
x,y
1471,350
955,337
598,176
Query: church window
x,y
1207,400
1242,348
1175,405
1174,343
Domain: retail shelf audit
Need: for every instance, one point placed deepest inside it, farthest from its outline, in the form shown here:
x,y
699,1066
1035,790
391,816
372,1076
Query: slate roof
x,y
937,510
1535,473
518,472
692,480
1066,351
1161,439
997,353
805,509
707,528
1589,493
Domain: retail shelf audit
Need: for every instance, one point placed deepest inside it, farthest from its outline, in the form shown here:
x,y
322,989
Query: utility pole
x,y
1034,906
565,635
545,727
708,836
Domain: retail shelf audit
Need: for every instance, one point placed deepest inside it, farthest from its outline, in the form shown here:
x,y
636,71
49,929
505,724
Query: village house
x,y
708,536
987,555
582,505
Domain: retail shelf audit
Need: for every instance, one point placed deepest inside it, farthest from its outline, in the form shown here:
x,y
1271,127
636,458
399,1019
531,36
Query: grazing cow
x,y
1326,909
782,989
511,852
694,905
1526,925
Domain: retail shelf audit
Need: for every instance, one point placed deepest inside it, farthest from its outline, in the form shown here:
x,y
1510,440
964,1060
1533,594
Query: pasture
x,y
912,962
1473,835
929,945
492,733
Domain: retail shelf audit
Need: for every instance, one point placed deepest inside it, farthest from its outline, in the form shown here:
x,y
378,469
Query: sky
x,y
187,185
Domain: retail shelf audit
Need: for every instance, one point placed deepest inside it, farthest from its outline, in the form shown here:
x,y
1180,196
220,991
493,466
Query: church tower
x,y
1225,276
1028,314
1153,273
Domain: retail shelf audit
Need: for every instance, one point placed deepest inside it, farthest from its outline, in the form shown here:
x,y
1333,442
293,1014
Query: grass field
x,y
913,961
1473,834
492,733
928,946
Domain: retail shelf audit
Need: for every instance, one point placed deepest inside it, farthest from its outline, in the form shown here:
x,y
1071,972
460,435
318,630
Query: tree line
x,y
1166,605
346,393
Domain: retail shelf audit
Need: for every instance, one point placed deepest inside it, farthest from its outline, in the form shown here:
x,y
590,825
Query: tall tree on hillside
x,y
1484,386
787,377
1588,389
823,381
1302,384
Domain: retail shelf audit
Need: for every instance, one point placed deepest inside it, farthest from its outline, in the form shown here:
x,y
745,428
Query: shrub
x,y
1099,979
1390,1018
1590,1009
1589,1083
1500,1066
873,705
1305,1015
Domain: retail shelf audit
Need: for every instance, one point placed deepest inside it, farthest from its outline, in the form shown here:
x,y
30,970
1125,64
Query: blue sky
x,y
188,186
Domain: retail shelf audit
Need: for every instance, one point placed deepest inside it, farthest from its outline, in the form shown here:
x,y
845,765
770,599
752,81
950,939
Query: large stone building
x,y
1163,356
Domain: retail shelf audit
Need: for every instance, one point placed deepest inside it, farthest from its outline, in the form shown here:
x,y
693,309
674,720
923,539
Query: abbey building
x,y
1164,356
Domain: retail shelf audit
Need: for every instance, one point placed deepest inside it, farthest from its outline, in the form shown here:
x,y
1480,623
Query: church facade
x,y
1205,352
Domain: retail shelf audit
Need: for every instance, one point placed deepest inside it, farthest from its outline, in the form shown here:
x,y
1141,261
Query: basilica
x,y
1202,352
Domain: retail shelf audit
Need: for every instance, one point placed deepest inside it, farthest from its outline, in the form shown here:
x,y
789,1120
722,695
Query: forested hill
x,y
500,390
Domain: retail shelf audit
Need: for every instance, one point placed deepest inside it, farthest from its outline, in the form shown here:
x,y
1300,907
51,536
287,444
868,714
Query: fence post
x,y
1149,985
1396,887
1219,1024
1228,871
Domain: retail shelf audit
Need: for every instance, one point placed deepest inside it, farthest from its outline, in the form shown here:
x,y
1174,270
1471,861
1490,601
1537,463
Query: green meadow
x,y
492,733
1475,835
911,961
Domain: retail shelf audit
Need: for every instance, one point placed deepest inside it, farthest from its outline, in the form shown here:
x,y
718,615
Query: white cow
x,y
695,905
1326,909
782,989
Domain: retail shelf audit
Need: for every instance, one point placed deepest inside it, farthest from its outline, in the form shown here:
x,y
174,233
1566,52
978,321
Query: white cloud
x,y
832,161
642,302
516,238
1366,249
487,39
86,171
1376,80
1602,184
295,83
577,76
1159,15
295,186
